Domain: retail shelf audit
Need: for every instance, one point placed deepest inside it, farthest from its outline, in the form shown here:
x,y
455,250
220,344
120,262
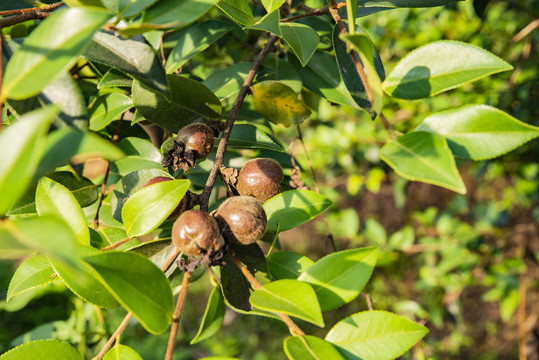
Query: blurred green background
x,y
460,264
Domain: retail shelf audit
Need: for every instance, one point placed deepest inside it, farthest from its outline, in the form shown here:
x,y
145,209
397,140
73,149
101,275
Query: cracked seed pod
x,y
195,232
198,138
260,178
242,219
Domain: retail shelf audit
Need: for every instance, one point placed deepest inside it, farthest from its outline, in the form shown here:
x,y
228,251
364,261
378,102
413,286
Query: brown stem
x,y
22,11
317,12
117,333
522,318
315,183
386,123
219,156
170,260
17,19
527,30
95,223
117,244
294,329
177,315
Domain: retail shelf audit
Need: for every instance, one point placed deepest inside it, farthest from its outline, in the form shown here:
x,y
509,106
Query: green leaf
x,y
237,10
74,3
23,236
479,132
270,23
310,347
348,70
42,349
139,285
176,13
67,144
32,273
228,82
122,352
279,104
21,145
362,44
351,12
250,137
191,101
127,8
132,146
146,209
133,56
440,66
132,163
213,316
115,78
272,5
50,49
193,40
287,265
302,39
376,335
130,184
290,297
338,278
54,199
321,75
275,68
108,108
65,94
82,281
292,208
423,156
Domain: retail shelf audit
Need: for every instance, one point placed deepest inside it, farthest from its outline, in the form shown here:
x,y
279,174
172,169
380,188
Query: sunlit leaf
x,y
301,38
42,349
310,348
287,265
213,316
32,273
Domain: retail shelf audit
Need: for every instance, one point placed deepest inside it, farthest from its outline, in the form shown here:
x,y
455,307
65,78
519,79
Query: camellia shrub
x,y
138,151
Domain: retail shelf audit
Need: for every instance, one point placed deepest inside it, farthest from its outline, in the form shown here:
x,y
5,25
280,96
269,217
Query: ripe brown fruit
x,y
260,178
196,232
242,219
198,138
183,203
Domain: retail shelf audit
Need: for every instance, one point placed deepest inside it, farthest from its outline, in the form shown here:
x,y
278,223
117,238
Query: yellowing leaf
x,y
279,104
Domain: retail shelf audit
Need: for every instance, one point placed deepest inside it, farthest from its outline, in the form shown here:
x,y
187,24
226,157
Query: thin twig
x,y
177,315
522,289
294,329
317,12
41,8
95,223
527,30
17,19
117,333
315,183
219,156
170,260
117,244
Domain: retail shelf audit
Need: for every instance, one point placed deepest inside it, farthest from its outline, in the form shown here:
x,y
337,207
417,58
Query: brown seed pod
x,y
242,219
260,178
198,138
182,206
195,232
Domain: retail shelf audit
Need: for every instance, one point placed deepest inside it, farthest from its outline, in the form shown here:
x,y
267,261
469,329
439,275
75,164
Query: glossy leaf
x,y
440,66
423,156
250,137
121,352
82,281
21,145
73,3
128,185
287,265
338,278
32,273
54,199
127,8
132,163
85,191
270,23
310,347
279,104
115,78
228,82
27,235
158,251
362,44
301,38
376,335
479,132
49,50
176,13
132,146
191,100
292,208
193,40
139,285
272,5
281,70
348,70
67,144
237,10
133,56
108,108
42,349
213,316
290,297
146,209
